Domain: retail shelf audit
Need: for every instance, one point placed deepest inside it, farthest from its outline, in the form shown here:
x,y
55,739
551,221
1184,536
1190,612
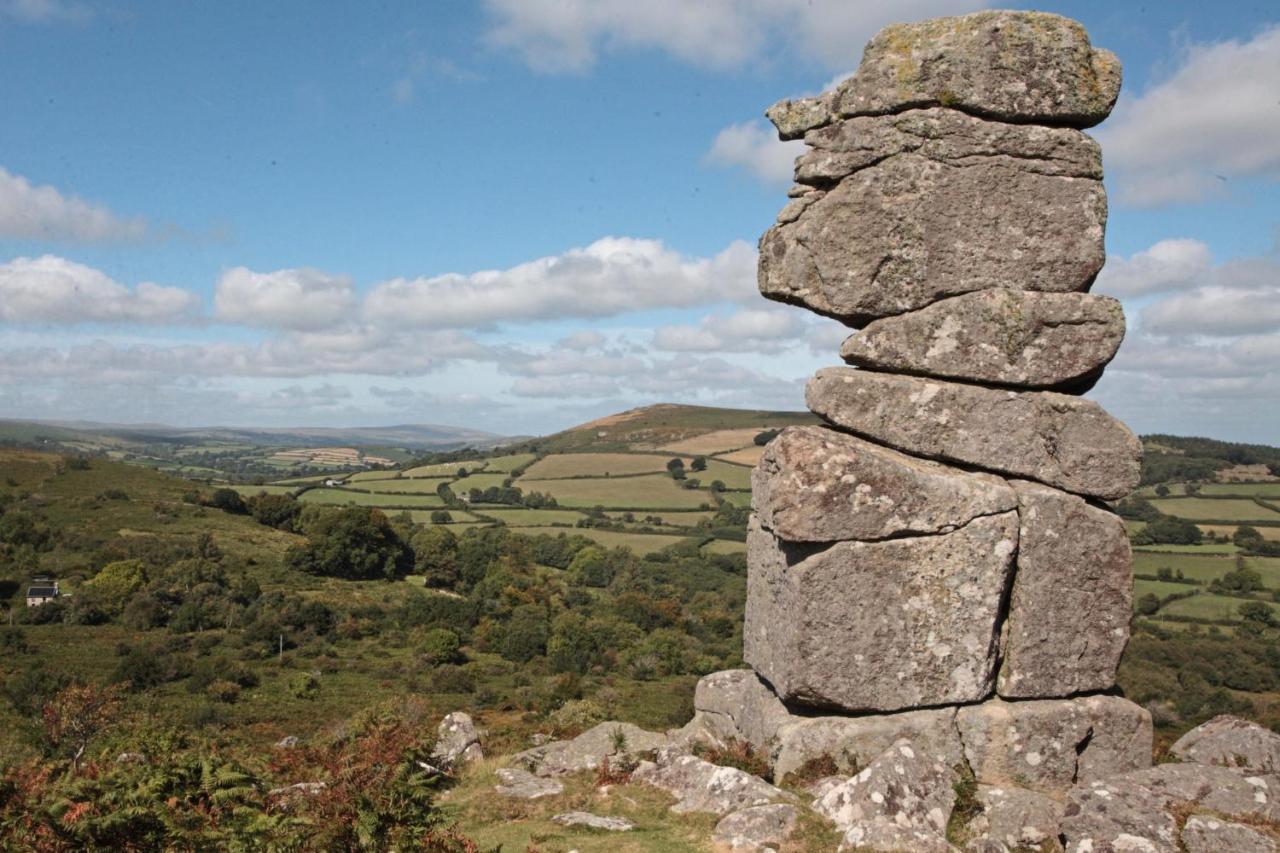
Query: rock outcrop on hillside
x,y
937,596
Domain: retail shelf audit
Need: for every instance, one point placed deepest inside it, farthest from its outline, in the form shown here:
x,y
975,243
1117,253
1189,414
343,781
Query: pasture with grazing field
x,y
1215,509
650,492
1269,533
341,497
531,517
507,464
563,465
480,481
719,441
250,491
1208,606
418,486
749,456
1252,490
733,476
444,469
373,475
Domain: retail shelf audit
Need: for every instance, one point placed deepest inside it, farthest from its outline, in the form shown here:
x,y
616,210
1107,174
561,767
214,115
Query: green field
x,y
745,456
460,518
641,543
533,517
741,499
373,475
725,546
480,481
1258,490
339,497
565,465
1205,548
443,469
1200,567
673,518
1159,589
655,491
733,476
420,486
1271,533
1206,606
719,441
507,464
1215,509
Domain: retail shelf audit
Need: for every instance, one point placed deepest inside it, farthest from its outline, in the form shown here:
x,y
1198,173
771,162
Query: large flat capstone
x,y
879,626
1072,597
1053,438
815,484
1003,337
1015,66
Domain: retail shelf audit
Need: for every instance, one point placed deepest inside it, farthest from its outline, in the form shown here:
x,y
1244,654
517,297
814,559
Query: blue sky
x,y
521,214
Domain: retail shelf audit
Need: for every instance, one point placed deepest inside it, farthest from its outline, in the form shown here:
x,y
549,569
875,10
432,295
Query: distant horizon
x,y
535,213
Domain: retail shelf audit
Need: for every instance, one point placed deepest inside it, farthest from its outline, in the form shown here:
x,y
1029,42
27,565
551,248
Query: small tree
x,y
440,646
441,516
77,714
676,468
699,463
1148,604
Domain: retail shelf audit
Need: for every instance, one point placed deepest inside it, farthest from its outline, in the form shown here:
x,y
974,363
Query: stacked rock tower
x,y
937,562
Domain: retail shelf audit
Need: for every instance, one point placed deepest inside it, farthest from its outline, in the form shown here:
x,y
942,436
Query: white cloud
x,y
1173,264
759,330
568,35
1217,311
755,147
285,299
30,212
614,275
1214,119
50,289
45,11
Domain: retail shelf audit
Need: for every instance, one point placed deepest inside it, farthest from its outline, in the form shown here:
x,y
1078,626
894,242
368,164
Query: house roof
x,y
42,592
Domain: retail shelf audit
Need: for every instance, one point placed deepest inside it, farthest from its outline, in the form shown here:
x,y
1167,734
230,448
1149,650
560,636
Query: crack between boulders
x,y
797,552
1066,387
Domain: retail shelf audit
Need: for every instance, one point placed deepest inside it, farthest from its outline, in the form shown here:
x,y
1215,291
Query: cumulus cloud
x,y
758,330
1213,119
1174,264
614,275
755,146
568,35
50,289
1216,311
285,299
29,212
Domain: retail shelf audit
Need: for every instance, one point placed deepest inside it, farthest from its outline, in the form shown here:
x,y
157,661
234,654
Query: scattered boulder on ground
x,y
1228,741
611,824
1049,745
1015,66
998,336
1210,835
814,484
523,785
587,750
757,827
701,786
1072,597
903,787
457,740
736,705
1016,817
930,638
1140,810
287,742
1052,438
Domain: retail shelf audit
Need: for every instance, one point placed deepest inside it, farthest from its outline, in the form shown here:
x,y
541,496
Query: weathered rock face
x,y
757,827
587,750
1016,66
1228,741
701,786
457,740
854,742
819,485
1005,337
1210,835
1052,438
909,231
901,801
1072,597
1051,744
1135,811
880,626
736,705
523,785
609,824
1016,817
